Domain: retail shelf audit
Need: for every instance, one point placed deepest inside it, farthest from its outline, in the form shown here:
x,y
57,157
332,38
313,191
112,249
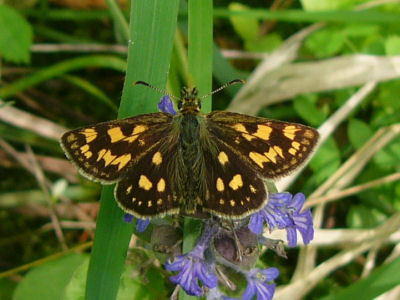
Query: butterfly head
x,y
189,101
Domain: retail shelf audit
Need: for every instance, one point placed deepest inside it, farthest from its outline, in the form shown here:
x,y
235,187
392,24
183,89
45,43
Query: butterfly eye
x,y
179,104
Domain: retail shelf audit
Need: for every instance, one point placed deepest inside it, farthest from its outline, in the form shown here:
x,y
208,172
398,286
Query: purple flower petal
x,y
284,212
128,218
257,284
141,224
166,105
192,266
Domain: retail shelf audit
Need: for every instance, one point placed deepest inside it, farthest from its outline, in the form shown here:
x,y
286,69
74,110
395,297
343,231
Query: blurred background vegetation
x,y
334,65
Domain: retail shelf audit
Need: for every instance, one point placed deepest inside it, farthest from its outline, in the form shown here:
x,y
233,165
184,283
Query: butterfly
x,y
165,164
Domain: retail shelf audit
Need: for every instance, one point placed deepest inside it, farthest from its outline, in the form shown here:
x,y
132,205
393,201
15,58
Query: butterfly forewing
x,y
146,190
235,190
106,151
272,148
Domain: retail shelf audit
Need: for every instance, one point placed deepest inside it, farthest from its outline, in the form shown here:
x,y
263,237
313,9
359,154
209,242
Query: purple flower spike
x,y
141,224
257,284
166,105
284,212
302,221
193,268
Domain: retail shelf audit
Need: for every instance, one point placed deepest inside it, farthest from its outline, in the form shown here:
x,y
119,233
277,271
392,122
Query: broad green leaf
x,y
361,216
75,289
359,132
48,281
325,42
392,45
326,161
264,44
15,36
247,28
378,282
306,106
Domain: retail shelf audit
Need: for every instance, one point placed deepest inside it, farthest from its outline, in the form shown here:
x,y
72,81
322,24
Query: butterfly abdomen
x,y
190,148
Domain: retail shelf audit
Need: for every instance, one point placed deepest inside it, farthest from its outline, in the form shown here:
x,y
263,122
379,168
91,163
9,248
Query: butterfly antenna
x,y
236,81
161,91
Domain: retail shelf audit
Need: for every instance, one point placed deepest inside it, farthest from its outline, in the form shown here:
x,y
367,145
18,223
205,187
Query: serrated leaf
x,y
36,283
15,36
359,133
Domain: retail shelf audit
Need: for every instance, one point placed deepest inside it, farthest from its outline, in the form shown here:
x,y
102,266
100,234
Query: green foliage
x,y
249,28
381,280
73,88
15,35
49,280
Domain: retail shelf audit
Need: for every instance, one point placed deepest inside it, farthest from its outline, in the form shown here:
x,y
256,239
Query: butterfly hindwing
x,y
106,151
235,190
272,148
146,190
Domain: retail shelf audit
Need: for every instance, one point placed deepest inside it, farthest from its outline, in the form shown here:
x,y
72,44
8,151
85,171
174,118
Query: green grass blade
x,y
105,61
152,29
121,25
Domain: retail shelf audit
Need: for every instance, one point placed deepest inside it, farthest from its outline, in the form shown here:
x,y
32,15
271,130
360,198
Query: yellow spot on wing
x,y
292,151
232,202
258,158
159,201
252,189
223,158
108,157
139,129
161,185
84,148
129,189
296,145
220,185
157,158
290,131
71,138
271,155
115,134
309,134
236,182
101,154
240,127
149,203
263,132
90,134
122,161
221,201
88,154
145,183
279,151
